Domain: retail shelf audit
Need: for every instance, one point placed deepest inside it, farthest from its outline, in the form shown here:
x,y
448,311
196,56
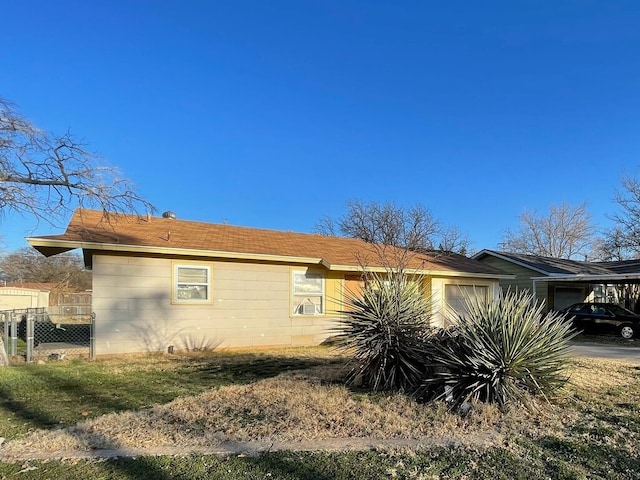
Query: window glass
x,y
308,293
192,283
192,275
618,310
307,283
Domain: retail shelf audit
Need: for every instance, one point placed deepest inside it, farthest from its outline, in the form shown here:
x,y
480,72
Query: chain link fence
x,y
39,334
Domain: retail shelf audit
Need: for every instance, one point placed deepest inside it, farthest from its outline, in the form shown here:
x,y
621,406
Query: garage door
x,y
565,296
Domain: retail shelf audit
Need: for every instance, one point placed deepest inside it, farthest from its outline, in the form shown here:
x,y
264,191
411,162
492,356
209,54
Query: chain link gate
x,y
38,335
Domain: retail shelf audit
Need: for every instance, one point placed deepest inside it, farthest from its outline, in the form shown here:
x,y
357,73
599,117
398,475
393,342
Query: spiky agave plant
x,y
384,329
500,351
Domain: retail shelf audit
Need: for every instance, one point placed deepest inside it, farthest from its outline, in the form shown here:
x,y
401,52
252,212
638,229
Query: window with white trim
x,y
191,283
308,292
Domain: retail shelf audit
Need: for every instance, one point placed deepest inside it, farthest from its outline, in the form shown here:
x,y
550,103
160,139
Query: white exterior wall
x,y
251,307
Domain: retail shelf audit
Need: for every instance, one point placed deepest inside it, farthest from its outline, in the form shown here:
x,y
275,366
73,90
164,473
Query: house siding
x,y
251,306
522,280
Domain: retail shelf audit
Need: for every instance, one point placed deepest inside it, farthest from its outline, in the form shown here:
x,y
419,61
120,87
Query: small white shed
x,y
12,298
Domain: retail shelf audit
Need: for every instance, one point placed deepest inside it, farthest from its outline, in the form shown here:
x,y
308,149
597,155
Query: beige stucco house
x,y
161,282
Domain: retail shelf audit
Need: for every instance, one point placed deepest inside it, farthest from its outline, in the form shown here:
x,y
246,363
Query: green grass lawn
x,y
436,463
63,393
590,431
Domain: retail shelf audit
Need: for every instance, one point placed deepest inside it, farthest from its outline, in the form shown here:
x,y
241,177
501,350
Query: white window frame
x,y
300,299
176,283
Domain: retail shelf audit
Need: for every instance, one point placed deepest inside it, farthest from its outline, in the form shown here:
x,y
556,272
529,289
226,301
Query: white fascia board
x,y
429,273
353,268
588,278
441,273
122,248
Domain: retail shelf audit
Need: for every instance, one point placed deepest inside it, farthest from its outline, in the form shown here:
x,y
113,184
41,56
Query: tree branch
x,y
48,176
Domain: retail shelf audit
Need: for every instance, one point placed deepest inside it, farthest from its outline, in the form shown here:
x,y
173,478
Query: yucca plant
x,y
499,351
384,328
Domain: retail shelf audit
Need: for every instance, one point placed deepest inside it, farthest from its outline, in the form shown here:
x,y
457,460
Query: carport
x,y
565,290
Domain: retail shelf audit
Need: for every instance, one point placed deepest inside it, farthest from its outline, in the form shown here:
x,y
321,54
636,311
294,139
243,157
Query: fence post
x,y
4,359
92,337
5,330
14,334
30,328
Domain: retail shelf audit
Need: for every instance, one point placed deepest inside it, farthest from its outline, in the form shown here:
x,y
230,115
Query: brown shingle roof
x,y
88,227
551,265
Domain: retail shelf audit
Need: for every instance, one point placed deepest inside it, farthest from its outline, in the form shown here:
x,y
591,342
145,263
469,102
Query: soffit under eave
x,y
622,278
87,255
426,273
91,248
49,251
486,276
121,249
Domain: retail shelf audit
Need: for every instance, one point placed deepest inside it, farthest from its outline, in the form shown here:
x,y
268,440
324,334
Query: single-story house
x,y
161,282
561,282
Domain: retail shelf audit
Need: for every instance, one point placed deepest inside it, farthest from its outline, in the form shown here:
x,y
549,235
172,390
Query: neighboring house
x,y
560,282
161,282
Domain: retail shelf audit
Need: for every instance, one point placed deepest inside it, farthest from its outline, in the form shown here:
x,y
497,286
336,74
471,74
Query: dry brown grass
x,y
311,404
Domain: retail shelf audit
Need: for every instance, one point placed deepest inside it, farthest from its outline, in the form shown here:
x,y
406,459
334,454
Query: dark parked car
x,y
604,318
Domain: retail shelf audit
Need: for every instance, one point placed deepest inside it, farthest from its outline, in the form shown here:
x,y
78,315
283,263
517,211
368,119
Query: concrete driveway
x,y
596,350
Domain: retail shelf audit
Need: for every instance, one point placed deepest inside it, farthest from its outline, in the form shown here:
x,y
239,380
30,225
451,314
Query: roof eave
x,y
588,277
445,273
52,246
58,246
506,258
422,271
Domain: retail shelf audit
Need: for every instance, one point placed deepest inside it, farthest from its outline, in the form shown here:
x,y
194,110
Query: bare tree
x,y
625,237
613,246
452,240
414,228
26,265
565,232
386,224
46,176
327,226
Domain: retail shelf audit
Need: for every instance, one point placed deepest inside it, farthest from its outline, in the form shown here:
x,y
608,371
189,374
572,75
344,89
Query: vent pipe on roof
x,y
169,214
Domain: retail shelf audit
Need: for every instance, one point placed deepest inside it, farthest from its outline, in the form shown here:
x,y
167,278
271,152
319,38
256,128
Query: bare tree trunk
x,y
4,359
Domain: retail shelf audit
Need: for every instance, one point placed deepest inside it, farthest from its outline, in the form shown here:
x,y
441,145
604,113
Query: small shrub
x,y
500,351
190,343
384,329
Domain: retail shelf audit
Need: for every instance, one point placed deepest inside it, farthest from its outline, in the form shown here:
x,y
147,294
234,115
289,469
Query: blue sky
x,y
274,114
